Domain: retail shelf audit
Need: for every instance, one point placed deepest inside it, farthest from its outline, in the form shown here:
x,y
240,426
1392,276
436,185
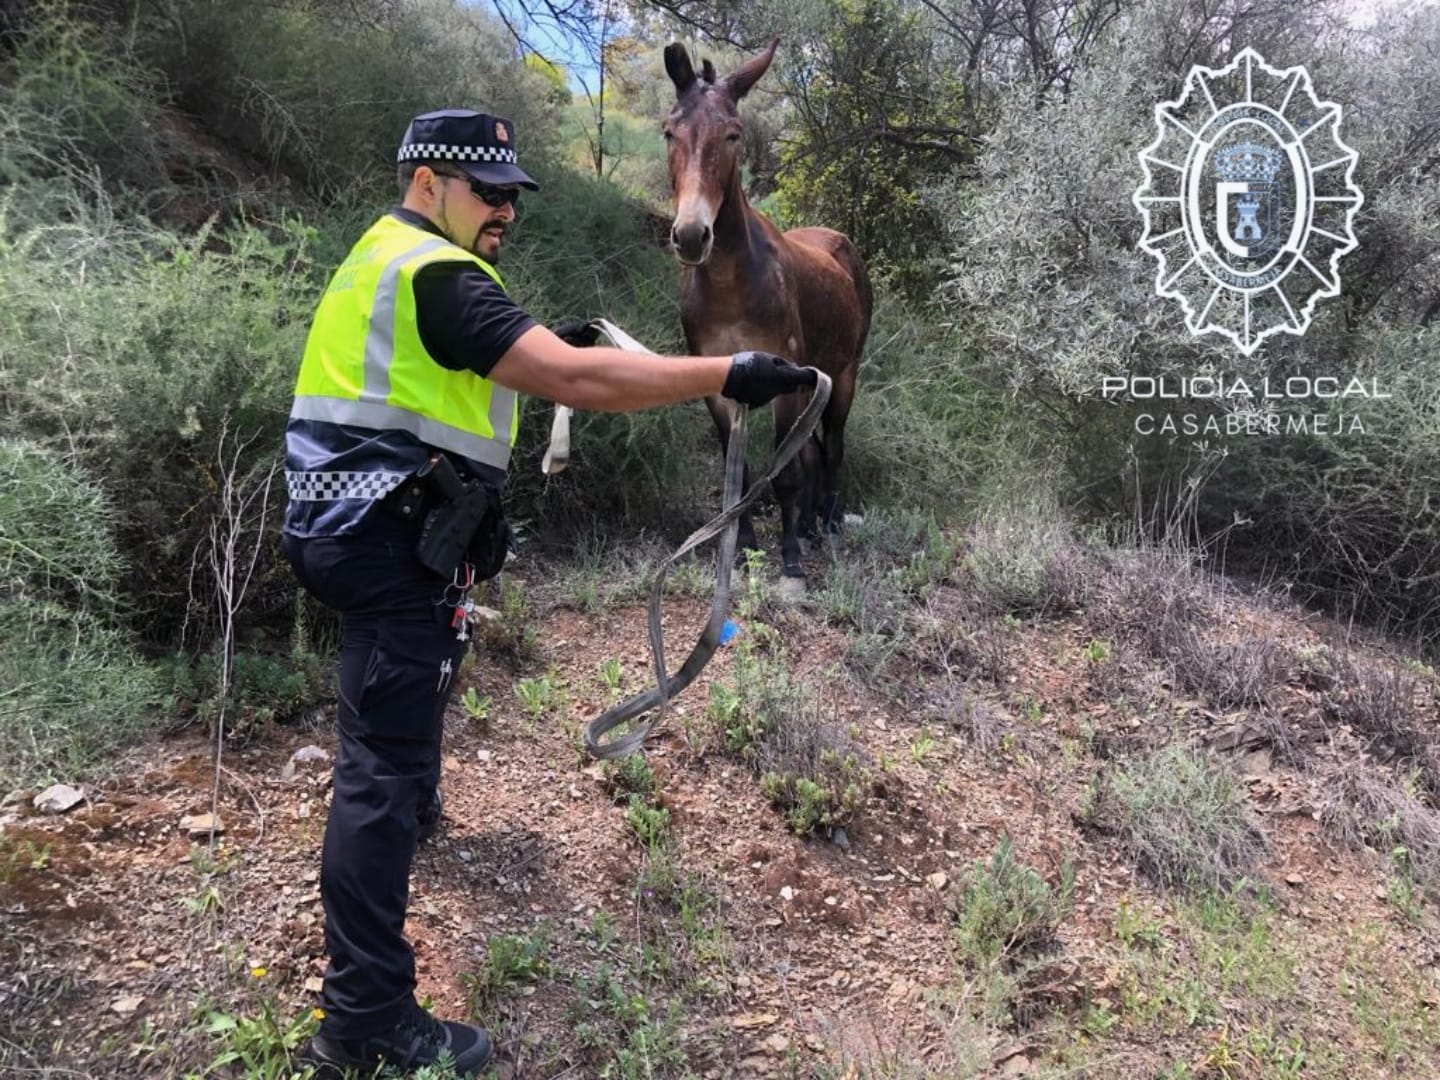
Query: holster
x,y
467,525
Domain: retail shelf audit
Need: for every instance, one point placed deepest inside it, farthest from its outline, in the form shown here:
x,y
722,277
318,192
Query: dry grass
x,y
1151,599
1183,817
953,705
1028,562
1244,674
1364,808
1392,709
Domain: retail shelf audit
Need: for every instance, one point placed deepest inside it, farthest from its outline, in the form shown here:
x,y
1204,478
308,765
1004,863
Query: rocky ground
x,y
1032,885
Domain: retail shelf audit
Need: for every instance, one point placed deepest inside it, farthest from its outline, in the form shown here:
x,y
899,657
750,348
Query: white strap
x,y
557,455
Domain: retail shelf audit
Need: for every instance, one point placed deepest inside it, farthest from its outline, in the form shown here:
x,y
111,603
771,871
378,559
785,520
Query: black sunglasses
x,y
492,196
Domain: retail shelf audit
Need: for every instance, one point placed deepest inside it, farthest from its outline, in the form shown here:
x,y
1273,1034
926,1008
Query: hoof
x,y
790,590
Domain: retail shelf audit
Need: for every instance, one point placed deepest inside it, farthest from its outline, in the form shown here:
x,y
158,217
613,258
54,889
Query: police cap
x,y
483,146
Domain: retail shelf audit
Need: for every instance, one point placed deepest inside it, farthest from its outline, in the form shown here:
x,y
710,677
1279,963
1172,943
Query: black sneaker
x,y
416,1041
430,818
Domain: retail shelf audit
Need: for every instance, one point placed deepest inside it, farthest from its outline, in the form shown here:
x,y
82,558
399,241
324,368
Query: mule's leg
x,y
720,413
811,493
837,411
788,488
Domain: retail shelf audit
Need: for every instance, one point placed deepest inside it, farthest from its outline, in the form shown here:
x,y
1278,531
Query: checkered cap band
x,y
329,486
444,152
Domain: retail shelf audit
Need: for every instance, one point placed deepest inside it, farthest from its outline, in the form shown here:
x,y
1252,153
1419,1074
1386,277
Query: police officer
x,y
413,368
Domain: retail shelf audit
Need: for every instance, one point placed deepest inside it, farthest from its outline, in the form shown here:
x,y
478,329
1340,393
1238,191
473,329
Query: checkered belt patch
x,y
329,486
443,152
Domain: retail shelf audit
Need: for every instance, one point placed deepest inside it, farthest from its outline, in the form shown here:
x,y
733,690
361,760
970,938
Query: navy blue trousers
x,y
398,658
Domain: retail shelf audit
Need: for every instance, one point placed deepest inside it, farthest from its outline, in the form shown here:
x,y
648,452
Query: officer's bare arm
x,y
602,379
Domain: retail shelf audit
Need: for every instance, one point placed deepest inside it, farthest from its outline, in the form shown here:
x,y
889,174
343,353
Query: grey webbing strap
x,y
727,527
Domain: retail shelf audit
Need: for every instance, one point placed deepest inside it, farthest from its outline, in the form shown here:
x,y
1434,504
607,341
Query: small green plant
x,y
443,1068
208,864
1006,911
1404,892
830,797
39,858
700,921
477,708
725,709
20,855
604,930
1096,651
753,596
206,903
510,961
632,1035
612,673
1097,1020
935,561
1134,928
537,695
650,824
629,776
921,745
263,1045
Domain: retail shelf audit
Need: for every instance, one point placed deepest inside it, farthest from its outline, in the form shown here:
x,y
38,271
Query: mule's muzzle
x,y
692,242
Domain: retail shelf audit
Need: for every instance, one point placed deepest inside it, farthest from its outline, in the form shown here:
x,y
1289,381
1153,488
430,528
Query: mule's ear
x,y
707,71
747,75
679,68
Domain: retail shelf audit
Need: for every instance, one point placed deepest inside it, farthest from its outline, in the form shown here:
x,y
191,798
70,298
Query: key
x,y
460,621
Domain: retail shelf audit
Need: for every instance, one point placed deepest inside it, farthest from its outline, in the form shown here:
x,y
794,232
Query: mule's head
x,y
702,137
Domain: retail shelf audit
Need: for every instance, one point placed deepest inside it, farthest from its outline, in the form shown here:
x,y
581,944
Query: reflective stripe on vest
x,y
366,366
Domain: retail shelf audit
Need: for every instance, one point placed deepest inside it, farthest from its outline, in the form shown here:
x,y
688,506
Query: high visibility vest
x,y
365,364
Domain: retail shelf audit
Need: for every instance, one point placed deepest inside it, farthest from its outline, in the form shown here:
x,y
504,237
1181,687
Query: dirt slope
x,y
730,946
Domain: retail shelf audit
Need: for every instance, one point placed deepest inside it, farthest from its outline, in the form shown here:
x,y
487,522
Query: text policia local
x,y
1222,388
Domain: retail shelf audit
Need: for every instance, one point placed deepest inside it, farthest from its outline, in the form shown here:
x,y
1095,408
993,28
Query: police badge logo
x,y
1249,200
501,135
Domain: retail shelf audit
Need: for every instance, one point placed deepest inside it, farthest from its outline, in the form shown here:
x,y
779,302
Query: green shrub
x,y
830,796
1046,285
292,84
1005,911
164,344
812,771
265,689
928,431
75,689
76,109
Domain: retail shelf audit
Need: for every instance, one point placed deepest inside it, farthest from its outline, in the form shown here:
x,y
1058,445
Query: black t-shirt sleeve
x,y
465,320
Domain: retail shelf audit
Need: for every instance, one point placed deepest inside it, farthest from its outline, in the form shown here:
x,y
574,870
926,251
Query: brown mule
x,y
803,294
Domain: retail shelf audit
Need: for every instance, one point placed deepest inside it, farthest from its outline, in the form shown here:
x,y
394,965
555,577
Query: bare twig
x,y
244,500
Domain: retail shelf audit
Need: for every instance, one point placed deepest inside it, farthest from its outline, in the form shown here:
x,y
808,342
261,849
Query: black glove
x,y
576,332
756,377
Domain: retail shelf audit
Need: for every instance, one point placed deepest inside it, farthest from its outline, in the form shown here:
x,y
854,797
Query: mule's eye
x,y
668,135
734,136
